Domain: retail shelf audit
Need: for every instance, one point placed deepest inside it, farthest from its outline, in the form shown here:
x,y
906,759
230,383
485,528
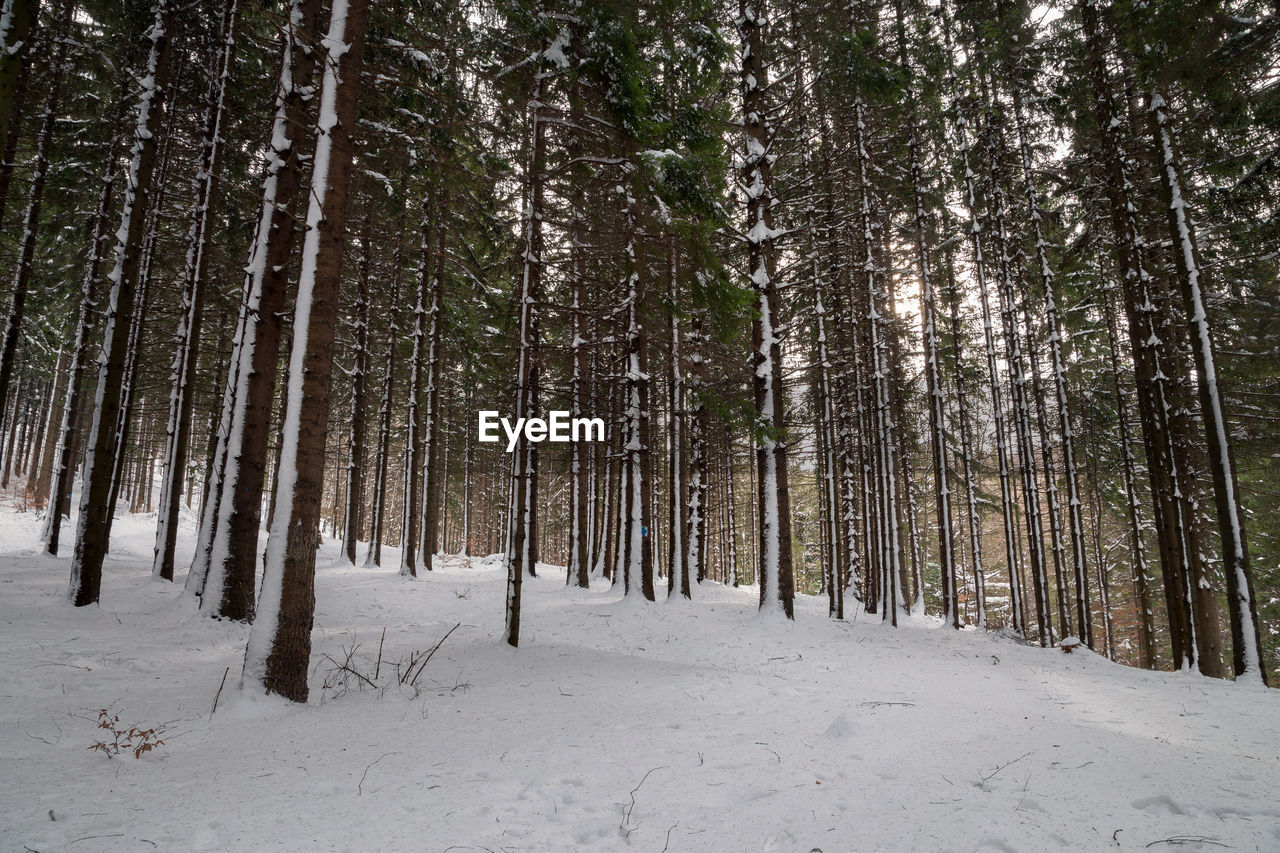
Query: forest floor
x,y
682,726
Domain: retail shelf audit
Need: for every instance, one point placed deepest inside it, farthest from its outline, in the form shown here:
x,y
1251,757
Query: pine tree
x,y
96,504
278,653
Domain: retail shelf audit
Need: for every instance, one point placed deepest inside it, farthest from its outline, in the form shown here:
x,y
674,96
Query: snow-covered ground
x,y
683,726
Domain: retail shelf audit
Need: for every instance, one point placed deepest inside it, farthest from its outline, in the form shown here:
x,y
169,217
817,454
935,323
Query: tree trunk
x,y
1246,643
1171,511
774,573
373,557
1057,369
433,436
520,511
232,514
278,653
182,397
93,529
637,498
31,218
579,563
411,518
18,19
355,434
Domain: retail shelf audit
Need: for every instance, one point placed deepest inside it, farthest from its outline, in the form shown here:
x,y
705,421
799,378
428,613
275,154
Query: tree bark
x,y
356,429
194,284
93,529
278,653
232,514
774,573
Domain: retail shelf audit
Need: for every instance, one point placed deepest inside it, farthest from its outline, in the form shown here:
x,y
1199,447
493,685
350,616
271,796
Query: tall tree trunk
x,y
932,359
232,514
884,480
697,533
1058,371
520,511
415,446
278,653
468,461
1054,511
997,404
69,430
433,436
972,516
678,552
637,499
93,528
579,563
1142,582
373,557
31,218
57,404
774,572
182,396
1171,510
356,430
1009,311
1246,643
18,19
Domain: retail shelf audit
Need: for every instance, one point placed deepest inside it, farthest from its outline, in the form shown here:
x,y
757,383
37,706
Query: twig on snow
x,y
360,787
218,695
988,777
1189,839
626,812
668,844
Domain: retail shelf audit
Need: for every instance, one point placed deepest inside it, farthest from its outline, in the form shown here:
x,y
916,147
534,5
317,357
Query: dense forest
x,y
965,308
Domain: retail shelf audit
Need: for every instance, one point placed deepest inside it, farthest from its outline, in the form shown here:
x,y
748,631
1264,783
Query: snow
x,y
6,24
554,53
754,735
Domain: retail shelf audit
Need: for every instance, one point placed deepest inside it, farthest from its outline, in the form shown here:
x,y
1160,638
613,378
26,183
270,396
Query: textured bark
x,y
15,50
434,436
521,530
415,446
233,512
380,483
1246,643
697,534
194,285
356,428
278,653
31,218
93,530
637,495
1170,507
774,570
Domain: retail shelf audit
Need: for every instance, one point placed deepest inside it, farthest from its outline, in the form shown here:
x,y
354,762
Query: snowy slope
x,y
616,726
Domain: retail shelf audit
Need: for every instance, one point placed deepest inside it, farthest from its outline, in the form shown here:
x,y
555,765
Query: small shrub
x,y
131,739
349,673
